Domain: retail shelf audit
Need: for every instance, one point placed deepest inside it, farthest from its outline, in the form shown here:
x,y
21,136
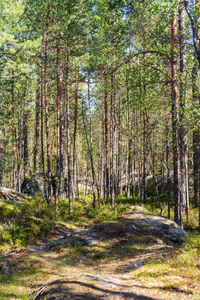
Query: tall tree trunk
x,y
18,177
47,113
102,194
90,147
183,94
75,185
168,163
68,135
103,154
2,157
120,187
14,136
25,138
42,131
106,138
37,127
62,136
144,175
127,139
196,137
58,110
112,141
175,120
115,146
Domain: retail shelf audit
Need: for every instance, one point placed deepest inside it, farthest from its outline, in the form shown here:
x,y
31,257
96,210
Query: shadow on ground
x,y
78,290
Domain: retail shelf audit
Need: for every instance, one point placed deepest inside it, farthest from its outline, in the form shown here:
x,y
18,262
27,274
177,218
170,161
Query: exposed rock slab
x,y
11,195
132,226
171,233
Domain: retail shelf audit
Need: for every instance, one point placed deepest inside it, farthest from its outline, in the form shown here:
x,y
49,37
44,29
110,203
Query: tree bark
x,y
68,135
25,138
47,113
37,127
175,122
112,111
183,95
42,131
18,177
2,158
196,137
106,138
144,175
13,134
168,163
75,183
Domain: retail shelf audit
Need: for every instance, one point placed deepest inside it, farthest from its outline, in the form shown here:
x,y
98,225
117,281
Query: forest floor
x,y
106,261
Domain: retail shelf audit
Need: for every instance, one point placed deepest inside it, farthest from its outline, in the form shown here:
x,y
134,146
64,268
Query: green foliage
x,y
25,224
36,220
105,213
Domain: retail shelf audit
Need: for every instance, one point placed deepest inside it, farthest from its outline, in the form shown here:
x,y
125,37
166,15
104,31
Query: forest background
x,y
101,96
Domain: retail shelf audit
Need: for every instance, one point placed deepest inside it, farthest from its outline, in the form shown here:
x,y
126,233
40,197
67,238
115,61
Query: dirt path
x,y
111,261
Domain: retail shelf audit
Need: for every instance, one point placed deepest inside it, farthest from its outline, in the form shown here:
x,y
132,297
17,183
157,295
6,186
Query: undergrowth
x,y
35,220
23,225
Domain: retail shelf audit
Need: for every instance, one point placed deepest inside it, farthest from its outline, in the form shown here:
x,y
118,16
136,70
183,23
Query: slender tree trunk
x,y
183,94
18,177
156,188
62,136
37,126
25,138
112,100
58,109
196,137
90,148
127,140
175,120
102,169
2,157
115,147
42,131
75,185
47,112
106,139
168,163
163,171
13,134
119,161
103,189
58,173
144,175
68,136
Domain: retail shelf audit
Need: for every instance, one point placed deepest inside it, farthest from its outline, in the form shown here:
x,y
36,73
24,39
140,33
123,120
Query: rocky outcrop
x,y
11,195
32,185
158,226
